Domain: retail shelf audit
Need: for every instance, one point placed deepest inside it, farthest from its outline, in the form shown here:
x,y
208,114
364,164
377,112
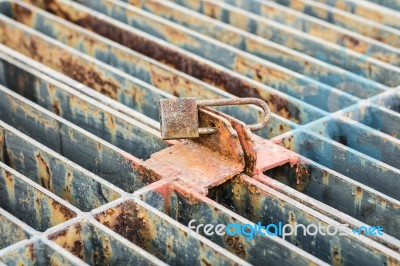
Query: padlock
x,y
179,118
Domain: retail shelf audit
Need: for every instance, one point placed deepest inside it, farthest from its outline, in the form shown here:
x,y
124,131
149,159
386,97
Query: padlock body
x,y
179,118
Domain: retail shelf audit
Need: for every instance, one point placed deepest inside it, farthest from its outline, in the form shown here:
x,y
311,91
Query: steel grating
x,y
85,177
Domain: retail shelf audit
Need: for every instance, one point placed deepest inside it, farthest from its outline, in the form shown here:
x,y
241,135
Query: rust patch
x,y
182,62
204,262
166,190
70,239
301,172
128,221
392,262
235,244
131,226
20,12
77,248
352,43
31,46
160,53
189,195
336,257
89,76
292,218
358,193
208,160
56,107
68,188
44,172
9,179
63,213
281,106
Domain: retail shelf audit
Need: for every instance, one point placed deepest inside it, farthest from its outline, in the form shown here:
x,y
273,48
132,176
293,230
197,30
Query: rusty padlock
x,y
179,118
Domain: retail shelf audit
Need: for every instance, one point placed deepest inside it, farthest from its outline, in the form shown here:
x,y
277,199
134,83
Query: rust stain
x,y
29,252
205,263
301,173
236,246
60,10
392,262
10,160
281,106
88,75
22,14
107,250
166,190
67,195
60,213
382,201
354,44
44,172
259,72
163,54
56,107
9,180
358,193
337,259
128,221
111,125
70,239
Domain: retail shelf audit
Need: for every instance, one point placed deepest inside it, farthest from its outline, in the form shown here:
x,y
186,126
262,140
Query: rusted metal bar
x,y
229,81
161,236
265,49
39,252
107,247
96,155
142,67
119,62
340,192
93,73
243,63
106,123
360,64
31,203
184,206
67,180
256,202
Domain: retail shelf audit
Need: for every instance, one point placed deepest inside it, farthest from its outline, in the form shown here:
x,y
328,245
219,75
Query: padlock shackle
x,y
242,101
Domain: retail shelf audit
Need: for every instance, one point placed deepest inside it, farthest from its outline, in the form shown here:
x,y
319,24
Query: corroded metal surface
x,y
179,118
207,161
85,178
150,71
191,64
363,64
